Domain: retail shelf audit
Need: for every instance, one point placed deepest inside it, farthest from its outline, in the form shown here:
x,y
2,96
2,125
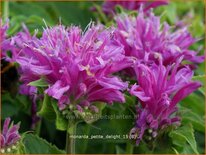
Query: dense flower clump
x,y
77,66
148,40
159,90
9,136
163,77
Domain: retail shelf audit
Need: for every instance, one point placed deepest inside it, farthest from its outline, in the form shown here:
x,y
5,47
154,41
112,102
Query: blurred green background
x,y
79,13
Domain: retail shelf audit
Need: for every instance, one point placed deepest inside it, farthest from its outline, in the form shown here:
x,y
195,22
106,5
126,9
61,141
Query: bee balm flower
x,y
9,137
77,66
149,41
159,90
4,41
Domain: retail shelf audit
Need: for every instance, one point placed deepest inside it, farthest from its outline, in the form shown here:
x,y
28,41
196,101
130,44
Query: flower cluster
x,y
148,40
159,90
109,6
77,66
9,136
163,77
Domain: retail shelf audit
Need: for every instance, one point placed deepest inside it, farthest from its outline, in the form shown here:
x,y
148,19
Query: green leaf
x,y
199,78
19,8
116,122
61,121
195,102
189,116
100,14
20,148
187,149
36,145
184,135
130,100
12,105
119,150
8,110
176,152
162,145
39,83
15,24
47,110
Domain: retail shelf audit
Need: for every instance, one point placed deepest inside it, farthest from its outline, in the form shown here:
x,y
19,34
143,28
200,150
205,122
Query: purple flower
x,y
9,136
78,66
159,90
146,39
4,41
109,6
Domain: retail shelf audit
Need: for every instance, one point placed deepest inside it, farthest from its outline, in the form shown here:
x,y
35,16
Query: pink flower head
x,y
159,90
109,6
4,41
149,41
78,66
9,135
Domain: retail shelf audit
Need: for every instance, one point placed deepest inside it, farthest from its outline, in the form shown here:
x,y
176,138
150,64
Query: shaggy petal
x,y
160,89
149,41
57,90
10,134
184,91
78,66
139,92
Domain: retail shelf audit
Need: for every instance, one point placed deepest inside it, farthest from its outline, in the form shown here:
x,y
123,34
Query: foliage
x,y
186,139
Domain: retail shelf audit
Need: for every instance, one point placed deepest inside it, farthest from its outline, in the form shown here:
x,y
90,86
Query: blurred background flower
x,y
9,137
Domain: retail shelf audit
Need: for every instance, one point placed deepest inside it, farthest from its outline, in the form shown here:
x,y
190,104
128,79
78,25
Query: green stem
x,y
70,140
38,127
6,10
129,148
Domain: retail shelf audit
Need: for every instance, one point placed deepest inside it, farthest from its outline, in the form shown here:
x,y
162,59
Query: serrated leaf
x,y
39,83
61,122
195,102
47,110
184,135
12,105
189,116
9,110
187,149
36,145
